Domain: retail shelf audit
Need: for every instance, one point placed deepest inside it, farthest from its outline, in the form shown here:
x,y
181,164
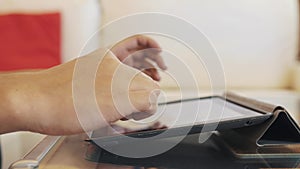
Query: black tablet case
x,y
278,137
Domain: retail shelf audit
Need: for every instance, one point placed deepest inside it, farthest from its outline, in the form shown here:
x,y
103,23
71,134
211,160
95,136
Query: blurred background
x,y
257,42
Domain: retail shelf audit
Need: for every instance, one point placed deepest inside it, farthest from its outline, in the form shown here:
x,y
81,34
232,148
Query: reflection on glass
x,y
111,166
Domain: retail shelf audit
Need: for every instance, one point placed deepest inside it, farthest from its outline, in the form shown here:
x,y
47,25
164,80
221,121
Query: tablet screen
x,y
201,111
211,110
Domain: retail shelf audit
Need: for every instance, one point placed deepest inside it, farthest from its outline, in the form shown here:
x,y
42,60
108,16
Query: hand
x,y
43,101
143,91
139,52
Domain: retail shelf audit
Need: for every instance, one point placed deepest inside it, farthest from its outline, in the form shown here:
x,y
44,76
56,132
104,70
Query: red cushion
x,y
29,41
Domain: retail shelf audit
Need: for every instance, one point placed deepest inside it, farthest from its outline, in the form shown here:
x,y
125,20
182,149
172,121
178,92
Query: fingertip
x,y
156,77
154,74
158,49
164,67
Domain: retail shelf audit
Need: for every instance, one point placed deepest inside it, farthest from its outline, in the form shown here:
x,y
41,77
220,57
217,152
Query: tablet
x,y
184,117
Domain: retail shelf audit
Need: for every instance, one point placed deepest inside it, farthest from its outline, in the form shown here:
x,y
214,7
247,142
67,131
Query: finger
x,y
150,70
144,42
158,60
129,61
147,42
151,54
121,53
134,61
138,116
139,41
142,55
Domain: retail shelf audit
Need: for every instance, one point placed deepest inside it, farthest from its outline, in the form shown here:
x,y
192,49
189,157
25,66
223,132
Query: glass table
x,y
74,152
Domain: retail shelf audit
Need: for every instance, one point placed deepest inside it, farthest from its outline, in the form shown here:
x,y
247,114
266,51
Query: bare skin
x,y
42,101
141,49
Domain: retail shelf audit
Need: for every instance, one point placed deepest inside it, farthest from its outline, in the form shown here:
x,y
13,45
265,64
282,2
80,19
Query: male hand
x,y
43,101
47,97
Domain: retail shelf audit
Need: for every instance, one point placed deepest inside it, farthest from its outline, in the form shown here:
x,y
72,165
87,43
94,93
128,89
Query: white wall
x,y
256,40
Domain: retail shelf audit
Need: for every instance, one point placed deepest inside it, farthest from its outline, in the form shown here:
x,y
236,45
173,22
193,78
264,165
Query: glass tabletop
x,y
74,152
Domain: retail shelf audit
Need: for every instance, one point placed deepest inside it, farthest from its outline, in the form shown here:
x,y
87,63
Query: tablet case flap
x,y
280,129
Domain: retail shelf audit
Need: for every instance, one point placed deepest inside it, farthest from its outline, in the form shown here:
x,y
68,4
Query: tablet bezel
x,y
98,136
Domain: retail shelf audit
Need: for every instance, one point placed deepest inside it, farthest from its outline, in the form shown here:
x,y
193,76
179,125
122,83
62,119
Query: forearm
x,y
12,104
29,99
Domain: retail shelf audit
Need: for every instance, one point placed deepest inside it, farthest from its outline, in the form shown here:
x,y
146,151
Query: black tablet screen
x,y
186,113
